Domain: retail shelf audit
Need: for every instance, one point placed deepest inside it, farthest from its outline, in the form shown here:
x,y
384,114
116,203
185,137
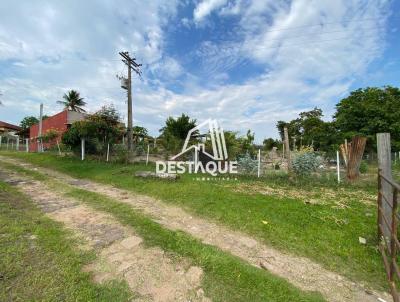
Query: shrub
x,y
363,167
121,154
247,165
305,163
50,135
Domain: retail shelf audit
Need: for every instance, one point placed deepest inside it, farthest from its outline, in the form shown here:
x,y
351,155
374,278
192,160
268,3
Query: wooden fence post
x,y
287,148
385,168
147,156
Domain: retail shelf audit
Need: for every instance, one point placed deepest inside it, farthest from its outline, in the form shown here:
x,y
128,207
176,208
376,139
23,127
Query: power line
x,y
310,42
322,24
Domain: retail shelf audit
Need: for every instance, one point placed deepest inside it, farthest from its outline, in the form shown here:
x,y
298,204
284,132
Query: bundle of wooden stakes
x,y
352,154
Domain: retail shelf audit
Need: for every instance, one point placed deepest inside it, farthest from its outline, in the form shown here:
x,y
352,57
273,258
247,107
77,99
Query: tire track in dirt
x,y
300,271
149,272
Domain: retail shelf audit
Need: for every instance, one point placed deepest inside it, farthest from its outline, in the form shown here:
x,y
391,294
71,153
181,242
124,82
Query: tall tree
x,y
310,129
369,111
28,121
178,127
73,101
175,131
269,143
140,131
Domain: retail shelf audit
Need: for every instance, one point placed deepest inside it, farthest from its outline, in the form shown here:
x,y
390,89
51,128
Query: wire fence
x,y
388,220
258,162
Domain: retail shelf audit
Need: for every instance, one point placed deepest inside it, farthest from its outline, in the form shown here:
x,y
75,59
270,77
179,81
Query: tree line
x,y
364,112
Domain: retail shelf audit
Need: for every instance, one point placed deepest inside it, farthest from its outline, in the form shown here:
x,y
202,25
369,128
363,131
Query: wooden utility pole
x,y
132,65
287,148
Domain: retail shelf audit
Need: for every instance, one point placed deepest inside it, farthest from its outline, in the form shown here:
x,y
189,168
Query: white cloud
x,y
205,7
307,54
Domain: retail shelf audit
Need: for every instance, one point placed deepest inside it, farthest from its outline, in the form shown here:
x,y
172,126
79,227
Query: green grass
x,y
326,234
226,277
39,260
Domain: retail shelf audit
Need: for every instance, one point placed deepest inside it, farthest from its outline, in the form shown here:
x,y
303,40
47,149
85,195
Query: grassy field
x,y
226,278
39,260
317,219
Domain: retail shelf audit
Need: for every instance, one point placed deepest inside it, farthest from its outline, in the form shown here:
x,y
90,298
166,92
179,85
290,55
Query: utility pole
x,y
132,65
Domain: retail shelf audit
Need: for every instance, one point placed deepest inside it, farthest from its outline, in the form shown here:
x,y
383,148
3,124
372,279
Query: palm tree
x,y
73,101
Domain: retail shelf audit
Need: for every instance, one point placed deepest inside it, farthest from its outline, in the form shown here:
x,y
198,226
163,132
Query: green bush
x,y
363,167
305,163
247,165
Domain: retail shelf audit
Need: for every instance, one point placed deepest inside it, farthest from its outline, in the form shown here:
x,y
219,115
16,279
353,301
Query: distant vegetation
x,y
364,112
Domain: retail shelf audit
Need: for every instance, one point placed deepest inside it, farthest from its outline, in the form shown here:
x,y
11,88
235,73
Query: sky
x,y
246,63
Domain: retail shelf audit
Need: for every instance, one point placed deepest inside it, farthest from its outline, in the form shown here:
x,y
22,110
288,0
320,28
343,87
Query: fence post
x,y
148,151
338,166
17,145
108,150
393,237
259,162
385,168
287,147
27,144
58,146
379,205
1,141
8,141
82,148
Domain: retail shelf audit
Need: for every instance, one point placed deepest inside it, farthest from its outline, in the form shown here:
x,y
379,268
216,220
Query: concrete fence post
x,y
338,166
259,163
27,144
17,145
83,149
58,147
108,151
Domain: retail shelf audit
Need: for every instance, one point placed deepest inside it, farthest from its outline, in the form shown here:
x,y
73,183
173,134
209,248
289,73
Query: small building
x,y
59,122
9,129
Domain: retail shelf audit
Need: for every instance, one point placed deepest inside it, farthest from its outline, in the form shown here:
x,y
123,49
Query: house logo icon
x,y
195,144
215,134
